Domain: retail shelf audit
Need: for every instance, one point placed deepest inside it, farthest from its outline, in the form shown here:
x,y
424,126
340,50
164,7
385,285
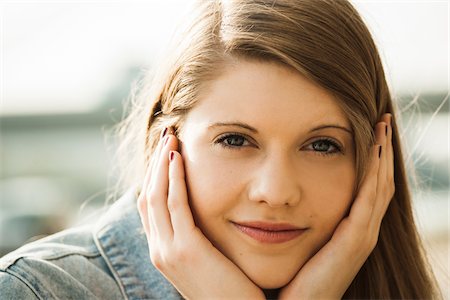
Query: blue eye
x,y
232,140
324,147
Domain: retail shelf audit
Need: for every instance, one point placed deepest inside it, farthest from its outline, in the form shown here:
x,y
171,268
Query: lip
x,y
270,233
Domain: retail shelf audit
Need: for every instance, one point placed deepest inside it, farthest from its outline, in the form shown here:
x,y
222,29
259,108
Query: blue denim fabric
x,y
106,260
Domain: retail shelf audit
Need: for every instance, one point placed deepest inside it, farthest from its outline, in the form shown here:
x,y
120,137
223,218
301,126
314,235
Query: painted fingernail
x,y
171,155
379,151
163,133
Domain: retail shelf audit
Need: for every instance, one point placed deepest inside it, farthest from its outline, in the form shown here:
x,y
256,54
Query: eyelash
x,y
221,140
332,143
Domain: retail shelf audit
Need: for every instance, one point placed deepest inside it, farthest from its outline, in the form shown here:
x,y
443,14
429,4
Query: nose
x,y
275,182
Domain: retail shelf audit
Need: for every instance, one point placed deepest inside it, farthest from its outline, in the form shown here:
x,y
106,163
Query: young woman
x,y
269,165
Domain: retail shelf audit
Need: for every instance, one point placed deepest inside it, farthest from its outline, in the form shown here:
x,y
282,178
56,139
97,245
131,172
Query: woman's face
x,y
270,170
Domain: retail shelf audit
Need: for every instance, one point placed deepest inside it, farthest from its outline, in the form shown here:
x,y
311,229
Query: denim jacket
x,y
106,260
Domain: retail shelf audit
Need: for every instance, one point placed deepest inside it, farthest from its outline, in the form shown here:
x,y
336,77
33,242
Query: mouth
x,y
270,233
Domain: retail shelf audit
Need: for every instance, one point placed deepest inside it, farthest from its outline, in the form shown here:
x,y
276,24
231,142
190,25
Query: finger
x,y
390,152
142,199
362,208
157,152
180,212
160,224
142,205
390,158
380,136
387,118
386,182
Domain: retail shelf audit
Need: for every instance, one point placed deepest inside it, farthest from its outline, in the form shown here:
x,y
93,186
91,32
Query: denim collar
x,y
120,238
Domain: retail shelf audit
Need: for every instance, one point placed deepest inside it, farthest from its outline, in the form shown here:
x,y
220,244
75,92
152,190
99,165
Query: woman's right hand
x,y
178,249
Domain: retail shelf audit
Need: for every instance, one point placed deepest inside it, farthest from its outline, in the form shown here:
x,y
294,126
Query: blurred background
x,y
66,68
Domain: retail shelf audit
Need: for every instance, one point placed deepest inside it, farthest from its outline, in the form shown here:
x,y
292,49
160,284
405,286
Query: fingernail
x,y
379,151
163,134
171,155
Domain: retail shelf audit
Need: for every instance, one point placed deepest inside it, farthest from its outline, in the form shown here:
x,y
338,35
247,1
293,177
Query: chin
x,y
271,278
271,283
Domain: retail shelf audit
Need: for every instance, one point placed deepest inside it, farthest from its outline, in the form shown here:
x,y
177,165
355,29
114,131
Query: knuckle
x,y
151,205
142,204
151,193
359,225
183,254
157,260
171,258
392,190
371,243
180,255
172,204
390,193
152,197
163,261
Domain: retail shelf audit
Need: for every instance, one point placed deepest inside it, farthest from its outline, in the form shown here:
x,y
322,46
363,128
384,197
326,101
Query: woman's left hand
x,y
329,273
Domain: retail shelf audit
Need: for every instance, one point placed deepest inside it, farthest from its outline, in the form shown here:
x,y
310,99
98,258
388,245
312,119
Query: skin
x,y
276,175
275,172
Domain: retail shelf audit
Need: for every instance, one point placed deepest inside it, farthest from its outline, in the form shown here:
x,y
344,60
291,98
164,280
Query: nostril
x,y
274,182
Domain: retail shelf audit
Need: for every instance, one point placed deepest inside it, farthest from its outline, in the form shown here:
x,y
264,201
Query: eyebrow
x,y
236,124
332,126
254,130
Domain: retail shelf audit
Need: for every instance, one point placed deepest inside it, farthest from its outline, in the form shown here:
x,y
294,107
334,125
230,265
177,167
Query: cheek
x,y
213,185
328,190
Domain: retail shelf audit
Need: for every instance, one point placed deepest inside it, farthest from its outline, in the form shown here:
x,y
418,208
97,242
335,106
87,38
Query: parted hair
x,y
326,41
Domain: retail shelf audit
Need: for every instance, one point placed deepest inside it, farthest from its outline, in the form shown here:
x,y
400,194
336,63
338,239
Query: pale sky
x,y
63,56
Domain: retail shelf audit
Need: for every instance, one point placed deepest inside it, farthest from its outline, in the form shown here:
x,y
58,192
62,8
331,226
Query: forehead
x,y
266,94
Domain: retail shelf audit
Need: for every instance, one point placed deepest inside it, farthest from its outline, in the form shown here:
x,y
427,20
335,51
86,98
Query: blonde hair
x,y
326,41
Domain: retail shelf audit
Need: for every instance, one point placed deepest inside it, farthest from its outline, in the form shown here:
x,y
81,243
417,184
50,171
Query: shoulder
x,y
106,260
64,265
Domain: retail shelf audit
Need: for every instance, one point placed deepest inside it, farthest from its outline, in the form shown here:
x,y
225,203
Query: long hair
x,y
326,41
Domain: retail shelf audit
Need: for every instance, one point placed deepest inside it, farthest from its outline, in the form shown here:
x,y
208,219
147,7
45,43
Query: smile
x,y
270,233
